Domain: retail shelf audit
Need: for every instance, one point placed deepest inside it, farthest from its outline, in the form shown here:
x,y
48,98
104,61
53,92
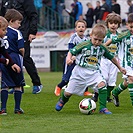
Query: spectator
x,y
89,15
59,8
104,11
116,7
71,14
97,11
29,30
38,4
78,10
130,10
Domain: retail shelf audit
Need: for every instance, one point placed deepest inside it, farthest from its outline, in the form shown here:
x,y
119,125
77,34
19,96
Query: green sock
x,y
119,89
130,88
102,97
64,98
109,89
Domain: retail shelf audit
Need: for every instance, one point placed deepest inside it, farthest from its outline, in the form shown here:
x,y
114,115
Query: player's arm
x,y
122,70
118,38
108,42
69,59
9,60
22,51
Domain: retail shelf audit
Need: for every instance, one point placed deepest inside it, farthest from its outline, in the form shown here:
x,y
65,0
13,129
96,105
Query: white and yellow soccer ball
x,y
87,106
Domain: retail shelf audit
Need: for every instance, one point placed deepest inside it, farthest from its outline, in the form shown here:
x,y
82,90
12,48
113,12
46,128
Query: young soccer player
x,y
14,44
77,37
86,72
127,39
7,60
108,69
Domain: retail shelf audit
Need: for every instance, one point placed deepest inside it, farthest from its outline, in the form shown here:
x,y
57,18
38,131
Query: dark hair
x,y
130,18
113,18
13,15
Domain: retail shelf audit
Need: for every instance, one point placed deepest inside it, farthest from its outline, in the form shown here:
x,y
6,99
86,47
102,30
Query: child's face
x,y
96,41
15,24
113,27
80,29
3,31
130,27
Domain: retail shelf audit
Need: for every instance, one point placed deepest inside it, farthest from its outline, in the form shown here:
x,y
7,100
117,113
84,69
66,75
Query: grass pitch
x,y
40,115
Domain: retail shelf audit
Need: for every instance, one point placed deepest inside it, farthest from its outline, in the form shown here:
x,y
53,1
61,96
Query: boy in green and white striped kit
x,y
127,42
87,71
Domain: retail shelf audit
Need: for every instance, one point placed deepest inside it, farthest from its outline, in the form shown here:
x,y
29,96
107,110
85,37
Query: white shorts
x,y
129,72
109,71
82,78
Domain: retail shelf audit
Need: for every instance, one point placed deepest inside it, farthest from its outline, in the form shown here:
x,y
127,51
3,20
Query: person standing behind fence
x,y
71,15
116,7
97,11
130,9
29,30
89,15
104,11
78,10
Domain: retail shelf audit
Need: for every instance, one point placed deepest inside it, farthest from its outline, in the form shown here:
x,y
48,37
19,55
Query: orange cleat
x,y
87,93
57,91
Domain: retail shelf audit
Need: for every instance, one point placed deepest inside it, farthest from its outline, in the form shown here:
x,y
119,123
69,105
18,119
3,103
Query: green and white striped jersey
x,y
89,56
113,47
127,40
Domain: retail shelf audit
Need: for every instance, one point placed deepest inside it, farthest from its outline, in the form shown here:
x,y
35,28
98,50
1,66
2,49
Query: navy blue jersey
x,y
73,41
13,43
13,40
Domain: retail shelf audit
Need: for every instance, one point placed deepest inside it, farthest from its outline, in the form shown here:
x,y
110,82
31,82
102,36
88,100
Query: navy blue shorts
x,y
67,71
10,78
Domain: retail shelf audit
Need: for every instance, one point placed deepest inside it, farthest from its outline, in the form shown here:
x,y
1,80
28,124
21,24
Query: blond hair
x,y
3,22
82,21
99,30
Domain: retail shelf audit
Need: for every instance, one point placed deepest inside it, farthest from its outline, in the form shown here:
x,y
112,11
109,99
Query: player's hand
x,y
16,68
7,61
69,61
31,37
123,70
73,58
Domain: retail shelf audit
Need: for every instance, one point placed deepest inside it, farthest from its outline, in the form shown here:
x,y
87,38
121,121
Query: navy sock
x,y
62,83
17,98
4,97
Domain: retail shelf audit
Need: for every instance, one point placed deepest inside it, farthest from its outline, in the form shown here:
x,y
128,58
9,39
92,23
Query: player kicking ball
x,y
87,71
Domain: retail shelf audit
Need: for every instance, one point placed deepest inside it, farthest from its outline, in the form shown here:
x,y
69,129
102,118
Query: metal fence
x,y
50,19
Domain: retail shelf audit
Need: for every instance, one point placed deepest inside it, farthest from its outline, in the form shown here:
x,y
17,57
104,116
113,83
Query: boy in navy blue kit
x,y
14,43
77,37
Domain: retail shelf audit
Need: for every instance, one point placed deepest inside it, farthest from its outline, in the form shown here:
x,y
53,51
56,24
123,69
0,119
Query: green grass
x,y
40,115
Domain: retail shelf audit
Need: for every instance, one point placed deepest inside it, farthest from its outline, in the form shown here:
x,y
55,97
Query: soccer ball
x,y
87,106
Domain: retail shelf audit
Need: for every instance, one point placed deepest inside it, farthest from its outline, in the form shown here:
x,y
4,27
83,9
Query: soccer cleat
x,y
105,111
3,112
27,86
59,105
18,111
95,97
37,89
109,100
11,91
116,100
87,93
57,91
